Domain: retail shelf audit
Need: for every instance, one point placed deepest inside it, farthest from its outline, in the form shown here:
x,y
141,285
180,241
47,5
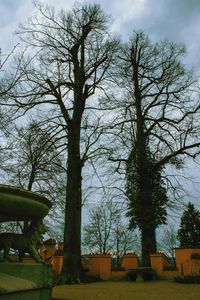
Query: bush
x,y
118,268
188,279
195,256
132,275
148,274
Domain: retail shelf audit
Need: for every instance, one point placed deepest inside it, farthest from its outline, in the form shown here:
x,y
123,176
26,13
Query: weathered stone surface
x,y
18,204
27,242
27,282
40,274
9,284
20,281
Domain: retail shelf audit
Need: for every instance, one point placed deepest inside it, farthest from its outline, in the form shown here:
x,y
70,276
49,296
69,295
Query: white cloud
x,y
60,4
176,20
129,9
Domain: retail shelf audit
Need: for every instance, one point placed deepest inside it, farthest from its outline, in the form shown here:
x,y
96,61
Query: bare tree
x,y
107,231
37,163
169,241
36,160
6,124
158,127
73,52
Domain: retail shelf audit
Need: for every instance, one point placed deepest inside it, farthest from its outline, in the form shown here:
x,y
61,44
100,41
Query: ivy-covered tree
x,y
189,232
147,196
156,126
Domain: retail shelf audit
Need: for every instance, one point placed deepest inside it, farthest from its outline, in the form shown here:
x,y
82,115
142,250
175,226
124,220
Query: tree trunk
x,y
71,271
148,235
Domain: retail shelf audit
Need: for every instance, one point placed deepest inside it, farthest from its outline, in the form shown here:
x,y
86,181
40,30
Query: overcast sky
x,y
176,20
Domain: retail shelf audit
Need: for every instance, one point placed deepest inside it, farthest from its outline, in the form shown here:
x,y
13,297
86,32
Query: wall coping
x,y
130,254
158,254
186,248
100,255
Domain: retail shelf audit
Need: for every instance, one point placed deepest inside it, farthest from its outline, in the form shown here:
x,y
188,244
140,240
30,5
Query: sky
x,y
175,20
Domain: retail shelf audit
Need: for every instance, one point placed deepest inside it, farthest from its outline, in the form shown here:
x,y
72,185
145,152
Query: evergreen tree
x,y
189,232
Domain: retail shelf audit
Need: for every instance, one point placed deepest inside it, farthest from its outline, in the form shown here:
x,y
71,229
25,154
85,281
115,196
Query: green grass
x,y
156,290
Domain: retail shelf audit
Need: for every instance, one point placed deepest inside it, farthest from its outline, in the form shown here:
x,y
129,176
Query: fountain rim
x,y
9,189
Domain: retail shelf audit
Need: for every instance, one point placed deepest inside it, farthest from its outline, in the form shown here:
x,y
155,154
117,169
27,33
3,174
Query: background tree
x,y
107,231
36,160
6,117
189,231
158,127
73,52
37,164
169,241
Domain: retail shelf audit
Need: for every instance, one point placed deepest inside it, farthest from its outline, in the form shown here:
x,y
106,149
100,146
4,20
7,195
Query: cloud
x,y
12,13
178,20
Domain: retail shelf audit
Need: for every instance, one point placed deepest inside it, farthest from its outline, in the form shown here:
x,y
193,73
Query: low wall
x,y
28,260
99,265
118,275
47,251
57,262
185,264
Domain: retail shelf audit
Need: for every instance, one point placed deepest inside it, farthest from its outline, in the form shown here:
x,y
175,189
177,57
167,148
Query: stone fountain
x,y
19,280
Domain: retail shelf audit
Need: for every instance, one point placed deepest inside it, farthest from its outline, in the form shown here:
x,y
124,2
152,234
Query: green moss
x,y
20,206
10,283
17,204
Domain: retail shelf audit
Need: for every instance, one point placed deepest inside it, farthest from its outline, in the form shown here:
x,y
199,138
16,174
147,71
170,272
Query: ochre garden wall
x,y
99,265
185,264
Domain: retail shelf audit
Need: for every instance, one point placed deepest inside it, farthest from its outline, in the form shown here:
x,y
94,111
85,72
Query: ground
x,y
156,290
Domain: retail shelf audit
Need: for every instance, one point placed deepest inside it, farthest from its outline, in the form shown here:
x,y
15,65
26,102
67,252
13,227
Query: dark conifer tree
x,y
189,232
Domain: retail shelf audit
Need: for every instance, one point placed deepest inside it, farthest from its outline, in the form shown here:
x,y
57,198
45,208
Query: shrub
x,y
195,256
188,279
118,268
132,275
148,274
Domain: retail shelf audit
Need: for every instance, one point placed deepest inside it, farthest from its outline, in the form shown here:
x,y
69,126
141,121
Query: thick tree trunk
x,y
147,217
148,236
71,271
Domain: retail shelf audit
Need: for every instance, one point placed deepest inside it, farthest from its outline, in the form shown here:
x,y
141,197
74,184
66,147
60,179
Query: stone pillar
x,y
100,266
158,261
130,261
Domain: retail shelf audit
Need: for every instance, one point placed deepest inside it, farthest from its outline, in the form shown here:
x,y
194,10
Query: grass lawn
x,y
155,290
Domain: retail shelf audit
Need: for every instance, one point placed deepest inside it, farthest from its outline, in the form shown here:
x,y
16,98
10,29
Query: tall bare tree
x,y
73,52
159,126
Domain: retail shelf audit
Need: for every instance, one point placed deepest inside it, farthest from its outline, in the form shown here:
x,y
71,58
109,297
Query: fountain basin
x,y
20,205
